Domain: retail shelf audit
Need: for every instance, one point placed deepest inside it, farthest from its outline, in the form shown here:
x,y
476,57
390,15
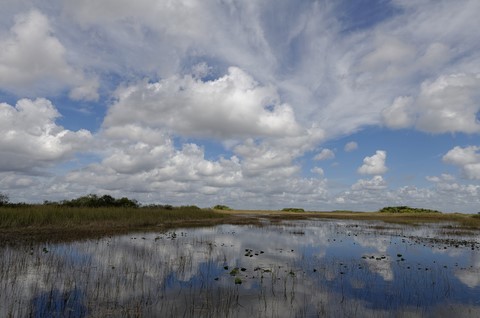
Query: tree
x,y
3,199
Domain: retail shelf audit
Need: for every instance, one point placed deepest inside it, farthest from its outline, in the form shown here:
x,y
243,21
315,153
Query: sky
x,y
315,104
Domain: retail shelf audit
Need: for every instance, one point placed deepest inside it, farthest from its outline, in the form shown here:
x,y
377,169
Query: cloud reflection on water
x,y
289,269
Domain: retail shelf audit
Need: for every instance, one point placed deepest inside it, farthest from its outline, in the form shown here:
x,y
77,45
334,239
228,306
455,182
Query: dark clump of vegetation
x,y
406,209
160,206
222,207
293,210
4,199
94,201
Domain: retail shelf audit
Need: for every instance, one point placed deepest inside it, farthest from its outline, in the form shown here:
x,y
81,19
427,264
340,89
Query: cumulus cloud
x,y
444,177
350,146
255,178
33,60
467,158
374,164
10,180
325,154
318,171
232,106
376,183
31,138
450,104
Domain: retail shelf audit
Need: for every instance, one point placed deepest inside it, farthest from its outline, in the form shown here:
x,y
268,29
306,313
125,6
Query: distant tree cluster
x,y
222,207
406,209
93,201
96,201
293,210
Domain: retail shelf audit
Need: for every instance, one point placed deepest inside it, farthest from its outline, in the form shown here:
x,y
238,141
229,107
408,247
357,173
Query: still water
x,y
315,268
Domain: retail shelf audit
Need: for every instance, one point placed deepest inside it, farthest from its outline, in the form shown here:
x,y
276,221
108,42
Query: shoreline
x,y
72,230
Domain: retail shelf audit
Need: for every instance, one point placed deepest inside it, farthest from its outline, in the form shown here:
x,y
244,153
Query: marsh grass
x,y
462,221
55,222
44,215
60,222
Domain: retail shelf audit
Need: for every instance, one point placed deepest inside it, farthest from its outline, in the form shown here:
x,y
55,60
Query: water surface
x,y
308,268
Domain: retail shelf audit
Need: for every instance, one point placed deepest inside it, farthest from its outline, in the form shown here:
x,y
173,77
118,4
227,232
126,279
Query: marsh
x,y
291,268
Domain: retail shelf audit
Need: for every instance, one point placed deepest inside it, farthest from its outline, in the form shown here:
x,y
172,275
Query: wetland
x,y
289,266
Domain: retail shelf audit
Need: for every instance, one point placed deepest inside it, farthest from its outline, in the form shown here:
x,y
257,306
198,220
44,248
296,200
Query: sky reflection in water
x,y
298,268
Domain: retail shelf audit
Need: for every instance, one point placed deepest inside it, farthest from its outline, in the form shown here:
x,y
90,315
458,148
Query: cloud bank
x,y
238,102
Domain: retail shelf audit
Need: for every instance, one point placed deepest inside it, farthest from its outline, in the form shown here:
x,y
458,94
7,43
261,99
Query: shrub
x,y
406,209
222,207
4,199
293,210
94,201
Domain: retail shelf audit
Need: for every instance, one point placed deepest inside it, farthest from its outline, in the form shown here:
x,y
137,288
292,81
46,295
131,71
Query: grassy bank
x,y
60,222
53,221
463,220
44,215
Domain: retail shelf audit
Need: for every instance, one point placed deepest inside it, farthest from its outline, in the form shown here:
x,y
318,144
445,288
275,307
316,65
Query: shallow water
x,y
293,269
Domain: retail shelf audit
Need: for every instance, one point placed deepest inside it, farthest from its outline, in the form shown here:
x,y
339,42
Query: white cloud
x,y
229,33
325,154
185,176
318,171
390,56
444,177
31,139
265,157
350,146
231,106
398,116
33,60
140,159
468,159
376,183
449,104
374,164
298,79
10,180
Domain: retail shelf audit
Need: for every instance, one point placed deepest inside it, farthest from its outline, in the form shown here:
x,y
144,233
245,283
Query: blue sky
x,y
255,104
